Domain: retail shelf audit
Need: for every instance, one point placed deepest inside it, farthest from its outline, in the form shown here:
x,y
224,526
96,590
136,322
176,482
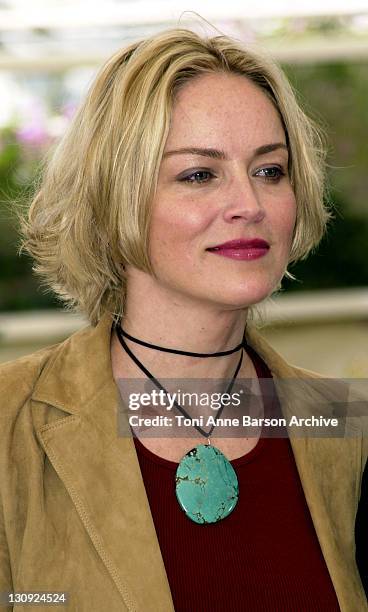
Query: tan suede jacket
x,y
74,514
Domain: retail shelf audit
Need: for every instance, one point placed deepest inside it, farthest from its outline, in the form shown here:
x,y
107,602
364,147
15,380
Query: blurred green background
x,y
335,94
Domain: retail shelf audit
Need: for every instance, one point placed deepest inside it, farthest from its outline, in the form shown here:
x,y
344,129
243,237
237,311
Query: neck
x,y
175,322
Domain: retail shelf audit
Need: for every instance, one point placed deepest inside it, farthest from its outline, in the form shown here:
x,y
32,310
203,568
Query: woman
x,y
187,183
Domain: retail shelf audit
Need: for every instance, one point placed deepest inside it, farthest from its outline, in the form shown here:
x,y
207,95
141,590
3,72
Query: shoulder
x,y
18,377
309,390
59,373
279,367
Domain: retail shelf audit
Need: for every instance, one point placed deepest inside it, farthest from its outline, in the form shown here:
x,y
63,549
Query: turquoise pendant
x,y
206,485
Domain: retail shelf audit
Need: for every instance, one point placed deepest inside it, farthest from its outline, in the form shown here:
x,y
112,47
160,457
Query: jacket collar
x,y
102,475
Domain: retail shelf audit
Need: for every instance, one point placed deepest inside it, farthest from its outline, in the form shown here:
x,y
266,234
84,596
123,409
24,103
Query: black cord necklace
x,y
206,483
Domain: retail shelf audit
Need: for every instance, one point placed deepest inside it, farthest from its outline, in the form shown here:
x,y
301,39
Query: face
x,y
224,177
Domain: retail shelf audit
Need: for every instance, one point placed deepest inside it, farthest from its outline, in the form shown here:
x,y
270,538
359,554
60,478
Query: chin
x,y
237,302
246,297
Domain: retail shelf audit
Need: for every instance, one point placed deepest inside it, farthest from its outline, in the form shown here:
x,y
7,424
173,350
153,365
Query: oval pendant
x,y
206,485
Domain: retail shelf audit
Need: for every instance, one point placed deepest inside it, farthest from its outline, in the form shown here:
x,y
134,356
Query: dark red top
x,y
264,556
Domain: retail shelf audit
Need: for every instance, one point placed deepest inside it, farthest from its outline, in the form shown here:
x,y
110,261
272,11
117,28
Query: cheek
x,y
179,223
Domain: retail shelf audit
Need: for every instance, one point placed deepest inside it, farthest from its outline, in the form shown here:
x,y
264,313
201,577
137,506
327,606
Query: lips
x,y
242,250
254,243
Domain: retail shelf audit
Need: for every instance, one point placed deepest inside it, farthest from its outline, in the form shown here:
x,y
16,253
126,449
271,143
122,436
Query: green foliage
x,y
340,260
336,95
19,288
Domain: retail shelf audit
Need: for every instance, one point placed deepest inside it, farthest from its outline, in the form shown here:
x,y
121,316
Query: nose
x,y
243,201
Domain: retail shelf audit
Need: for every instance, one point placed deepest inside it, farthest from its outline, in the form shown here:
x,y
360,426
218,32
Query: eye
x,y
199,177
271,173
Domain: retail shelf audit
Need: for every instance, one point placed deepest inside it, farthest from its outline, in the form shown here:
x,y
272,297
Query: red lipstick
x,y
242,249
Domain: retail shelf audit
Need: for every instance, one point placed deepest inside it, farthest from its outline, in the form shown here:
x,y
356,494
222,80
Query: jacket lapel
x,y
100,470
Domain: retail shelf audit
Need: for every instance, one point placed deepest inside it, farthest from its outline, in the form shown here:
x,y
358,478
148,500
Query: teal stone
x,y
206,485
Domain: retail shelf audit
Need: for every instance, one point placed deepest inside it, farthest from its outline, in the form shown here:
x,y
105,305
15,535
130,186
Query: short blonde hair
x,y
91,213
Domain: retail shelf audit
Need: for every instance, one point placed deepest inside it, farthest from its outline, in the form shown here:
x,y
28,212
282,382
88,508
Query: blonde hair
x,y
91,213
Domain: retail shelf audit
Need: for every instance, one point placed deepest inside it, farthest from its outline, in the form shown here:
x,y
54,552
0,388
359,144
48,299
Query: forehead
x,y
223,108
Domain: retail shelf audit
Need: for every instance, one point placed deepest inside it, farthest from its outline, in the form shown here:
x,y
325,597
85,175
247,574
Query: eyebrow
x,y
218,154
